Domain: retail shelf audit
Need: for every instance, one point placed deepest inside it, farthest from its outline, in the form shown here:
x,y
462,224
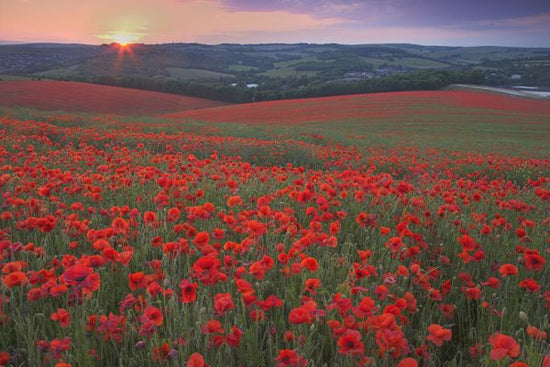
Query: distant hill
x,y
245,73
84,97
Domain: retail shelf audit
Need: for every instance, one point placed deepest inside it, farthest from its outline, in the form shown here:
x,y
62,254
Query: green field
x,y
190,73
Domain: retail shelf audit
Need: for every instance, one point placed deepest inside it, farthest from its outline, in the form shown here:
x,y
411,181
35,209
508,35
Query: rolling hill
x,y
372,107
279,71
84,97
452,119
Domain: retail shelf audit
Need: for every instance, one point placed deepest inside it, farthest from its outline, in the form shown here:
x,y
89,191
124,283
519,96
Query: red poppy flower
x,y
534,262
407,362
173,214
136,280
365,220
202,239
82,277
519,364
508,269
530,284
503,345
473,293
196,360
154,315
112,327
535,333
223,303
438,334
4,358
304,314
188,290
351,343
120,225
310,264
62,316
234,339
15,279
150,217
212,326
290,358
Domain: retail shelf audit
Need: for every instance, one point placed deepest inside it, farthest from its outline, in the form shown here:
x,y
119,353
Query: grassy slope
x,y
462,120
455,119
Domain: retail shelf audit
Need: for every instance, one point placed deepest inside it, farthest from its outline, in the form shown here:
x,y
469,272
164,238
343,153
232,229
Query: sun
x,y
123,39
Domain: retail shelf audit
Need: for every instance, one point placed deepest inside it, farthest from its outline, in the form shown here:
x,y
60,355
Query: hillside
x,y
84,97
371,107
246,73
451,119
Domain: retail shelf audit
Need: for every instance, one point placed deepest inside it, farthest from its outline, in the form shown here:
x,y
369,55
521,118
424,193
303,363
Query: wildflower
x,y
503,345
310,264
62,316
4,358
508,269
136,280
530,284
188,290
304,314
81,277
350,343
212,326
196,360
407,362
365,220
150,217
15,279
535,333
533,261
290,358
223,303
473,293
154,315
438,334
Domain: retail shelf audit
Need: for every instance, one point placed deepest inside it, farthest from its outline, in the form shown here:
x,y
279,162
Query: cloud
x,y
348,9
193,20
533,22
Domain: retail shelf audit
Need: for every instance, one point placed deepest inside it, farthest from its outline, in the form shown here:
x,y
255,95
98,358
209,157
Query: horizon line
x,y
24,43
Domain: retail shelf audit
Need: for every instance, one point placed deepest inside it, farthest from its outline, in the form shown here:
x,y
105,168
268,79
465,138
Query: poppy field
x,y
372,106
166,243
74,96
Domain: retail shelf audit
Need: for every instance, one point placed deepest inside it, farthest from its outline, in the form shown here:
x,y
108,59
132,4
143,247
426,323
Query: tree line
x,y
215,90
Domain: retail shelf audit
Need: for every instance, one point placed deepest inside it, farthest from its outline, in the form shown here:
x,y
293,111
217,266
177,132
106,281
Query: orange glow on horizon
x,y
123,39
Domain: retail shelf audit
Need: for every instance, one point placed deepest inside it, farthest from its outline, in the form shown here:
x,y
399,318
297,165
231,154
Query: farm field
x,y
452,118
398,229
74,96
189,73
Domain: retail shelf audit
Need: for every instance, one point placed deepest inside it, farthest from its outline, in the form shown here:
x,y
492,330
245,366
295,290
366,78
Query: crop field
x,y
376,106
73,96
459,119
398,229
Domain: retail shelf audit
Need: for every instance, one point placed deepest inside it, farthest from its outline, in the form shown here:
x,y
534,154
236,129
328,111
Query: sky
x,y
428,22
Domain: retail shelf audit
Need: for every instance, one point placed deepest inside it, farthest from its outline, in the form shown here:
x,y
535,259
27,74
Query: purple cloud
x,y
402,12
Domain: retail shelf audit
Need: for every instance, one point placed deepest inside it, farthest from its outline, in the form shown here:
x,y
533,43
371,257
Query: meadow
x,y
399,229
